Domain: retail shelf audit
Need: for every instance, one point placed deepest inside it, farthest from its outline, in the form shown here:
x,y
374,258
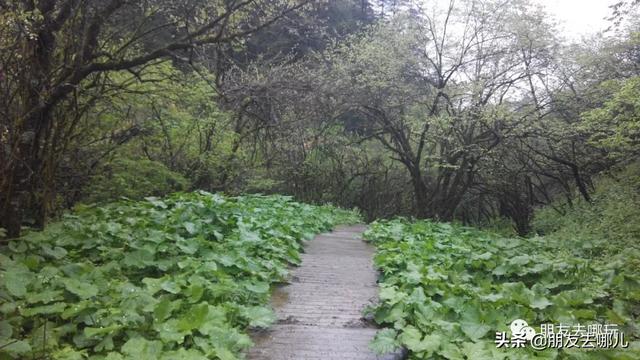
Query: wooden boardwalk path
x,y
320,312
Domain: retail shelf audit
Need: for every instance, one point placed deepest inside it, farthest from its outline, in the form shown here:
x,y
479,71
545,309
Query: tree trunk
x,y
28,188
11,215
27,196
580,183
421,195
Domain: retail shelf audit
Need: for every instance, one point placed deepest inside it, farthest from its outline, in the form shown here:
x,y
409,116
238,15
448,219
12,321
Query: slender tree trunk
x,y
421,195
580,183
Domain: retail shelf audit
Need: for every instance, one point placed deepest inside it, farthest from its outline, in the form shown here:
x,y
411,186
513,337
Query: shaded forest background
x,y
469,110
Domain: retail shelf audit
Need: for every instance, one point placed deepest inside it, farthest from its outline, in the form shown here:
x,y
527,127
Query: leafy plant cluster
x,y
611,218
447,289
182,277
133,179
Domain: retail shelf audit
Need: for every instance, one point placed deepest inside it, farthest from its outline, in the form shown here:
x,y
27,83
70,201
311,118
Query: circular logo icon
x,y
520,328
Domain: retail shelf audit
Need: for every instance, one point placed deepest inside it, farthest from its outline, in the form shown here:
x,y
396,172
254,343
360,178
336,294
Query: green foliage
x,y
616,125
180,123
608,226
446,290
499,225
133,179
176,278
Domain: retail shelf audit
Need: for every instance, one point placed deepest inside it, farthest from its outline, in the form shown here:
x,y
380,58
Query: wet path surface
x,y
320,312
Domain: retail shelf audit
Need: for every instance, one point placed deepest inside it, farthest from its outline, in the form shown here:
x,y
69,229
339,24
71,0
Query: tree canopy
x,y
465,110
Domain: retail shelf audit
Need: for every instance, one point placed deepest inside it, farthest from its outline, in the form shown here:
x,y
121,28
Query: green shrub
x,y
133,179
611,222
500,225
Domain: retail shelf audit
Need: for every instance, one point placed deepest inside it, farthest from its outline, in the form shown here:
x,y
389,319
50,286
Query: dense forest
x,y
469,111
478,113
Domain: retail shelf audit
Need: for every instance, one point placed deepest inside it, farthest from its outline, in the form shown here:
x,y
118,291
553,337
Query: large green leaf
x,y
45,309
194,318
5,330
16,280
83,289
384,342
172,331
259,316
142,349
15,348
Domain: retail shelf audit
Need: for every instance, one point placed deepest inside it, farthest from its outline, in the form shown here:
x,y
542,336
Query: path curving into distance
x,y
320,311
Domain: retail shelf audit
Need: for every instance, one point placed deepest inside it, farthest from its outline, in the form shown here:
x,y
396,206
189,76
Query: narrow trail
x,y
320,312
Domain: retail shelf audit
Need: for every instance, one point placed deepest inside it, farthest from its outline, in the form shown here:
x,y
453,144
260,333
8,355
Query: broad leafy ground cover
x,y
177,278
446,290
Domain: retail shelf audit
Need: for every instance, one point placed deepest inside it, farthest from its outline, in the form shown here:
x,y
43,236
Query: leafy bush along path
x,y
446,290
178,278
